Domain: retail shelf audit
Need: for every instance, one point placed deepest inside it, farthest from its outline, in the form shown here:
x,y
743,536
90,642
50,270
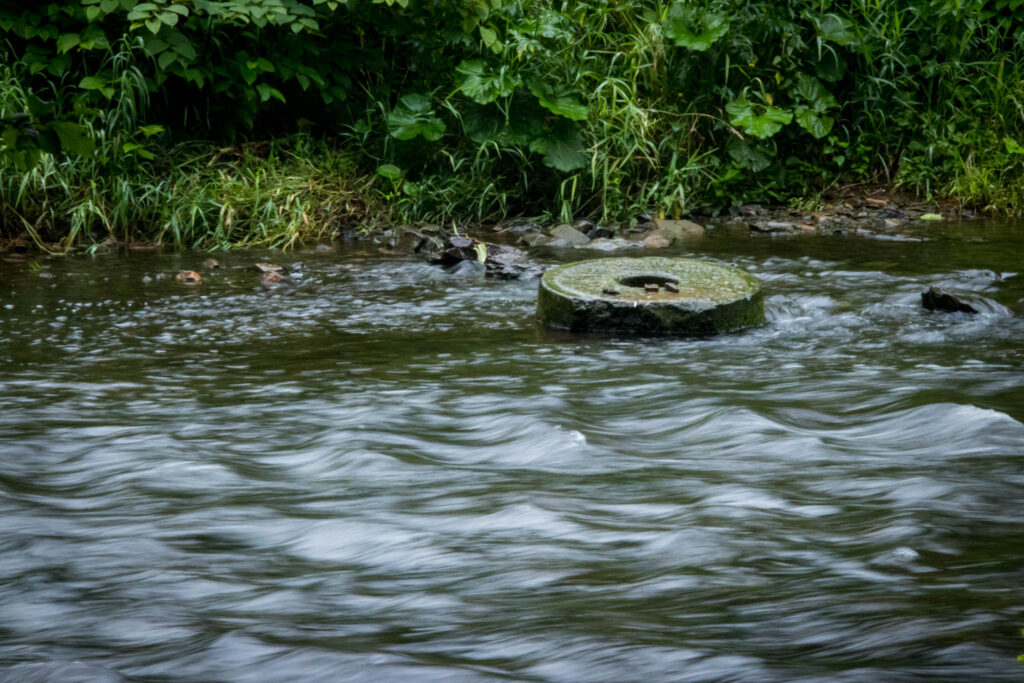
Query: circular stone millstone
x,y
635,296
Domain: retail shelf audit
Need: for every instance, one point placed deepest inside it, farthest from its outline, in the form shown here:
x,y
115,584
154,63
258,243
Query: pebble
x,y
271,277
189,277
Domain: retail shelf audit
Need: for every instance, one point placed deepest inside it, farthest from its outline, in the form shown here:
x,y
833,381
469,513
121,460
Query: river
x,y
379,471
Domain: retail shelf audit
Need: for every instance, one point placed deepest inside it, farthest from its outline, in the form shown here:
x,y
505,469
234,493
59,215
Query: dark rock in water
x,y
585,226
938,299
509,263
457,249
601,232
500,261
408,240
430,245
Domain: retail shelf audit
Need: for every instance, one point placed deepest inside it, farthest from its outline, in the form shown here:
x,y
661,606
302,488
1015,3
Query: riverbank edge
x,y
857,209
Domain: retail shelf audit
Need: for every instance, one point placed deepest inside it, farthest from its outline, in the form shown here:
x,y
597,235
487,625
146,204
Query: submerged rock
x,y
271,277
189,277
518,227
650,296
535,240
938,299
772,227
568,234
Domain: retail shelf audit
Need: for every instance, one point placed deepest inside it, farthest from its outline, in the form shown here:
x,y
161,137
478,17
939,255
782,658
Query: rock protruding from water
x,y
677,230
499,261
938,299
569,235
650,296
508,263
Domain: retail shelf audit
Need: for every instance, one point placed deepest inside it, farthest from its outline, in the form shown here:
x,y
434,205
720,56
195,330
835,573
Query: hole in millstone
x,y
650,282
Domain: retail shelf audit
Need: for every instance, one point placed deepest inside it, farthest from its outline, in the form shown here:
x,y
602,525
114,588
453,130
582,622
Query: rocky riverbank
x,y
500,250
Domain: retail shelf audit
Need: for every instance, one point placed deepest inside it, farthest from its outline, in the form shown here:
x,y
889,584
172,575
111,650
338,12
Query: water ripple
x,y
381,472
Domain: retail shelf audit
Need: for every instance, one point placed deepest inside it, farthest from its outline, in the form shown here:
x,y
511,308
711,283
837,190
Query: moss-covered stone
x,y
636,296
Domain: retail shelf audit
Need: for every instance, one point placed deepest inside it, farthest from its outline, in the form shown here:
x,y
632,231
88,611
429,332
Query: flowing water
x,y
380,471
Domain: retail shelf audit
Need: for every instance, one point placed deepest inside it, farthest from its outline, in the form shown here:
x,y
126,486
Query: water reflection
x,y
378,472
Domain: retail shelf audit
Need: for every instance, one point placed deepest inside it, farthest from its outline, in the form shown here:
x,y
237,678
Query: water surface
x,y
382,472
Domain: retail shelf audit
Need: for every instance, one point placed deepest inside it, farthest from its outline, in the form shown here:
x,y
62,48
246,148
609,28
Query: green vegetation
x,y
218,122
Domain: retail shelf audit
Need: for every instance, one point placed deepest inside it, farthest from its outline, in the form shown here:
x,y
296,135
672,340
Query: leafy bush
x,y
583,106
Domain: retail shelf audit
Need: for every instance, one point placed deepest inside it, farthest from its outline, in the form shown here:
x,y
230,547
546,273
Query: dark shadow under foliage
x,y
145,119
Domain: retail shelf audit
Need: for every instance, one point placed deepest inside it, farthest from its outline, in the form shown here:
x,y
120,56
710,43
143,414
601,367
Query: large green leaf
x,y
491,40
761,121
694,28
484,86
67,41
563,103
835,29
747,155
814,122
811,90
39,108
1012,146
74,138
830,66
389,171
524,122
563,148
413,117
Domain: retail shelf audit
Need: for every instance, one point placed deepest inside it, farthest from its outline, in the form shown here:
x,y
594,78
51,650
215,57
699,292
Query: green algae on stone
x,y
609,295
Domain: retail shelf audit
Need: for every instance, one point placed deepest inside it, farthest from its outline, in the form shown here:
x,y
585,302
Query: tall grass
x,y
925,96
